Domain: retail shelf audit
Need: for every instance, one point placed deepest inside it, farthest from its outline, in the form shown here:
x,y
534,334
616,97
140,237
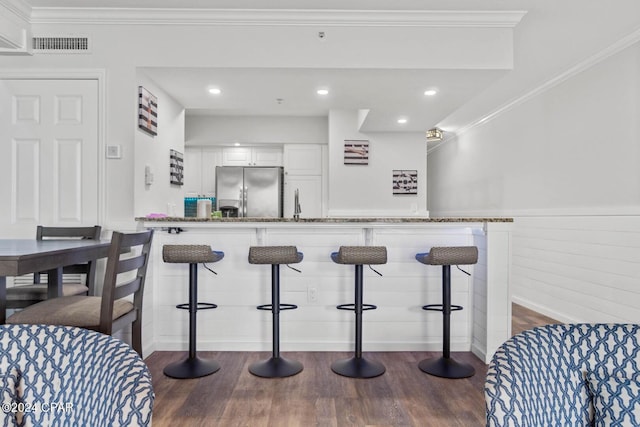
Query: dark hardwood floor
x,y
522,319
403,396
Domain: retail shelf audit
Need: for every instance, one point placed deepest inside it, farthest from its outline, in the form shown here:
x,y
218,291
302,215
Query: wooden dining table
x,y
24,256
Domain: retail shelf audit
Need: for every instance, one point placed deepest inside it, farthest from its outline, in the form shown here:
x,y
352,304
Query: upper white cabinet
x,y
251,156
303,159
200,171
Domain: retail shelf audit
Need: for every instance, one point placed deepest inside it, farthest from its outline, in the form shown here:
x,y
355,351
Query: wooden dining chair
x,y
24,295
113,310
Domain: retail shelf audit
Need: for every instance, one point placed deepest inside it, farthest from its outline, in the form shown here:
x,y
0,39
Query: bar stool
x,y
358,366
445,366
192,366
276,366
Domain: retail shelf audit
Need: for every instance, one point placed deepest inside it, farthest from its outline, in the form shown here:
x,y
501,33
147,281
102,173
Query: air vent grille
x,y
61,44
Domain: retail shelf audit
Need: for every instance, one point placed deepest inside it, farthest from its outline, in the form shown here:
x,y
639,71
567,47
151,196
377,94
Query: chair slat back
x,y
89,268
120,262
126,289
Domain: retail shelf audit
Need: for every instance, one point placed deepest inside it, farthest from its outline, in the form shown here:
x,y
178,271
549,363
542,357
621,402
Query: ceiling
x,y
552,38
387,94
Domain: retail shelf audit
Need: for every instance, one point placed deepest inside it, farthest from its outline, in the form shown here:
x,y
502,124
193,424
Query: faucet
x,y
296,205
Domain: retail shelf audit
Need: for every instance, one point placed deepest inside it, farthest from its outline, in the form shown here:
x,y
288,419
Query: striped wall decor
x,y
147,111
405,181
356,152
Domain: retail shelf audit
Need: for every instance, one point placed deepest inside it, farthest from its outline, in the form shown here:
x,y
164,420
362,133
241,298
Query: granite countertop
x,y
390,220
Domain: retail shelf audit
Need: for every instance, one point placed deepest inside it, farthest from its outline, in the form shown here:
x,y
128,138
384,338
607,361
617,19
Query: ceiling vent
x,y
61,45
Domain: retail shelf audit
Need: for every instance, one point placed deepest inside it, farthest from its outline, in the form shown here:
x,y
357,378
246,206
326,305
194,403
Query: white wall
x,y
566,165
120,49
224,130
153,151
366,190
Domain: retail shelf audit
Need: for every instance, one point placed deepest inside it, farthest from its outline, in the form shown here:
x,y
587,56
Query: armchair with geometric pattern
x,y
566,375
61,375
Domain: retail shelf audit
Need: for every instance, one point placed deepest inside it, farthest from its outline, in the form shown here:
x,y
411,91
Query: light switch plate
x,y
113,152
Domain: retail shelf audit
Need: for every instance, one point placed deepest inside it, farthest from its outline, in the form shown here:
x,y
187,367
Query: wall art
x,y
147,111
176,167
356,152
405,181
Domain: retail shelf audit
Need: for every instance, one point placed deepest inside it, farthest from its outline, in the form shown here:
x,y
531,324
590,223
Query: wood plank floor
x,y
403,396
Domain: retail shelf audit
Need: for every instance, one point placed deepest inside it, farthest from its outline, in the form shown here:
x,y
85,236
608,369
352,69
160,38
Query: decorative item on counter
x,y
204,208
191,205
356,152
147,111
405,181
216,214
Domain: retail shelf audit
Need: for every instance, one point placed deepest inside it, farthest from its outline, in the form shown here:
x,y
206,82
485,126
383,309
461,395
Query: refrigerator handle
x,y
244,201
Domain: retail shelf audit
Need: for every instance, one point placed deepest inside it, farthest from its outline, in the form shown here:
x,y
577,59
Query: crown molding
x,y
584,65
20,8
282,17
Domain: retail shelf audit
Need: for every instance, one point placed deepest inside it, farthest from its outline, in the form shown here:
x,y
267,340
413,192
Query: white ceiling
x,y
553,37
387,94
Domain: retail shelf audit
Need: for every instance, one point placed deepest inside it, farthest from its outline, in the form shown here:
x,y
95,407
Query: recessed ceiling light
x,y
402,121
237,144
215,91
430,92
322,92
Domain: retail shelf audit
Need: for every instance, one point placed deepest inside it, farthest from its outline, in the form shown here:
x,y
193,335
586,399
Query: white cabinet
x,y
266,156
310,195
252,156
200,170
303,168
303,159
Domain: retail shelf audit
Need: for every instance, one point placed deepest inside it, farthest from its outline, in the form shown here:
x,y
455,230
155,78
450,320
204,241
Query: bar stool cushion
x,y
274,255
190,254
449,255
360,255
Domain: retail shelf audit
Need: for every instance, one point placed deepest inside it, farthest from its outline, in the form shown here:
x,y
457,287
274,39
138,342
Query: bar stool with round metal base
x,y
445,366
193,366
276,366
357,366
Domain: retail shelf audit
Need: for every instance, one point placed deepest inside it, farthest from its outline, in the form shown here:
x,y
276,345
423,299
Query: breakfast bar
x,y
399,323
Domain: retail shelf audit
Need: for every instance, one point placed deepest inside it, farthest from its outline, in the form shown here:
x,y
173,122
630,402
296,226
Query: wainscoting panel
x,y
578,268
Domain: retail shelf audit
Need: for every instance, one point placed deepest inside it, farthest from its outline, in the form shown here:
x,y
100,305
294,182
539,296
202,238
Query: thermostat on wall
x,y
113,152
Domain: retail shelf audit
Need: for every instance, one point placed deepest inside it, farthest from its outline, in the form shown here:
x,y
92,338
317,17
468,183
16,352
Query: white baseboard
x,y
560,317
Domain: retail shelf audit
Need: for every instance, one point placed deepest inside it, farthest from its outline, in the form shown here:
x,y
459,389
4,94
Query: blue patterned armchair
x,y
566,375
66,376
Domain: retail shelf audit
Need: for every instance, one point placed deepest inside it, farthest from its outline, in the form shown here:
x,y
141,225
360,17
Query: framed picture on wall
x,y
176,167
405,181
356,152
147,111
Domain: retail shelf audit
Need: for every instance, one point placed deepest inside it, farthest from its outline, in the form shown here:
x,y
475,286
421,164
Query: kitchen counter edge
x,y
390,220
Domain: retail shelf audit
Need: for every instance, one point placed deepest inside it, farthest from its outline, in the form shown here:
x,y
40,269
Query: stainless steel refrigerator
x,y
251,191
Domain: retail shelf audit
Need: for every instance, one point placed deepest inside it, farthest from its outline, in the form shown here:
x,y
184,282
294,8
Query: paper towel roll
x,y
204,208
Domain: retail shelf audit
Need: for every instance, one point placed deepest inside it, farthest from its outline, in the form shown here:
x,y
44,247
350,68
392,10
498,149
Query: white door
x,y
49,161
